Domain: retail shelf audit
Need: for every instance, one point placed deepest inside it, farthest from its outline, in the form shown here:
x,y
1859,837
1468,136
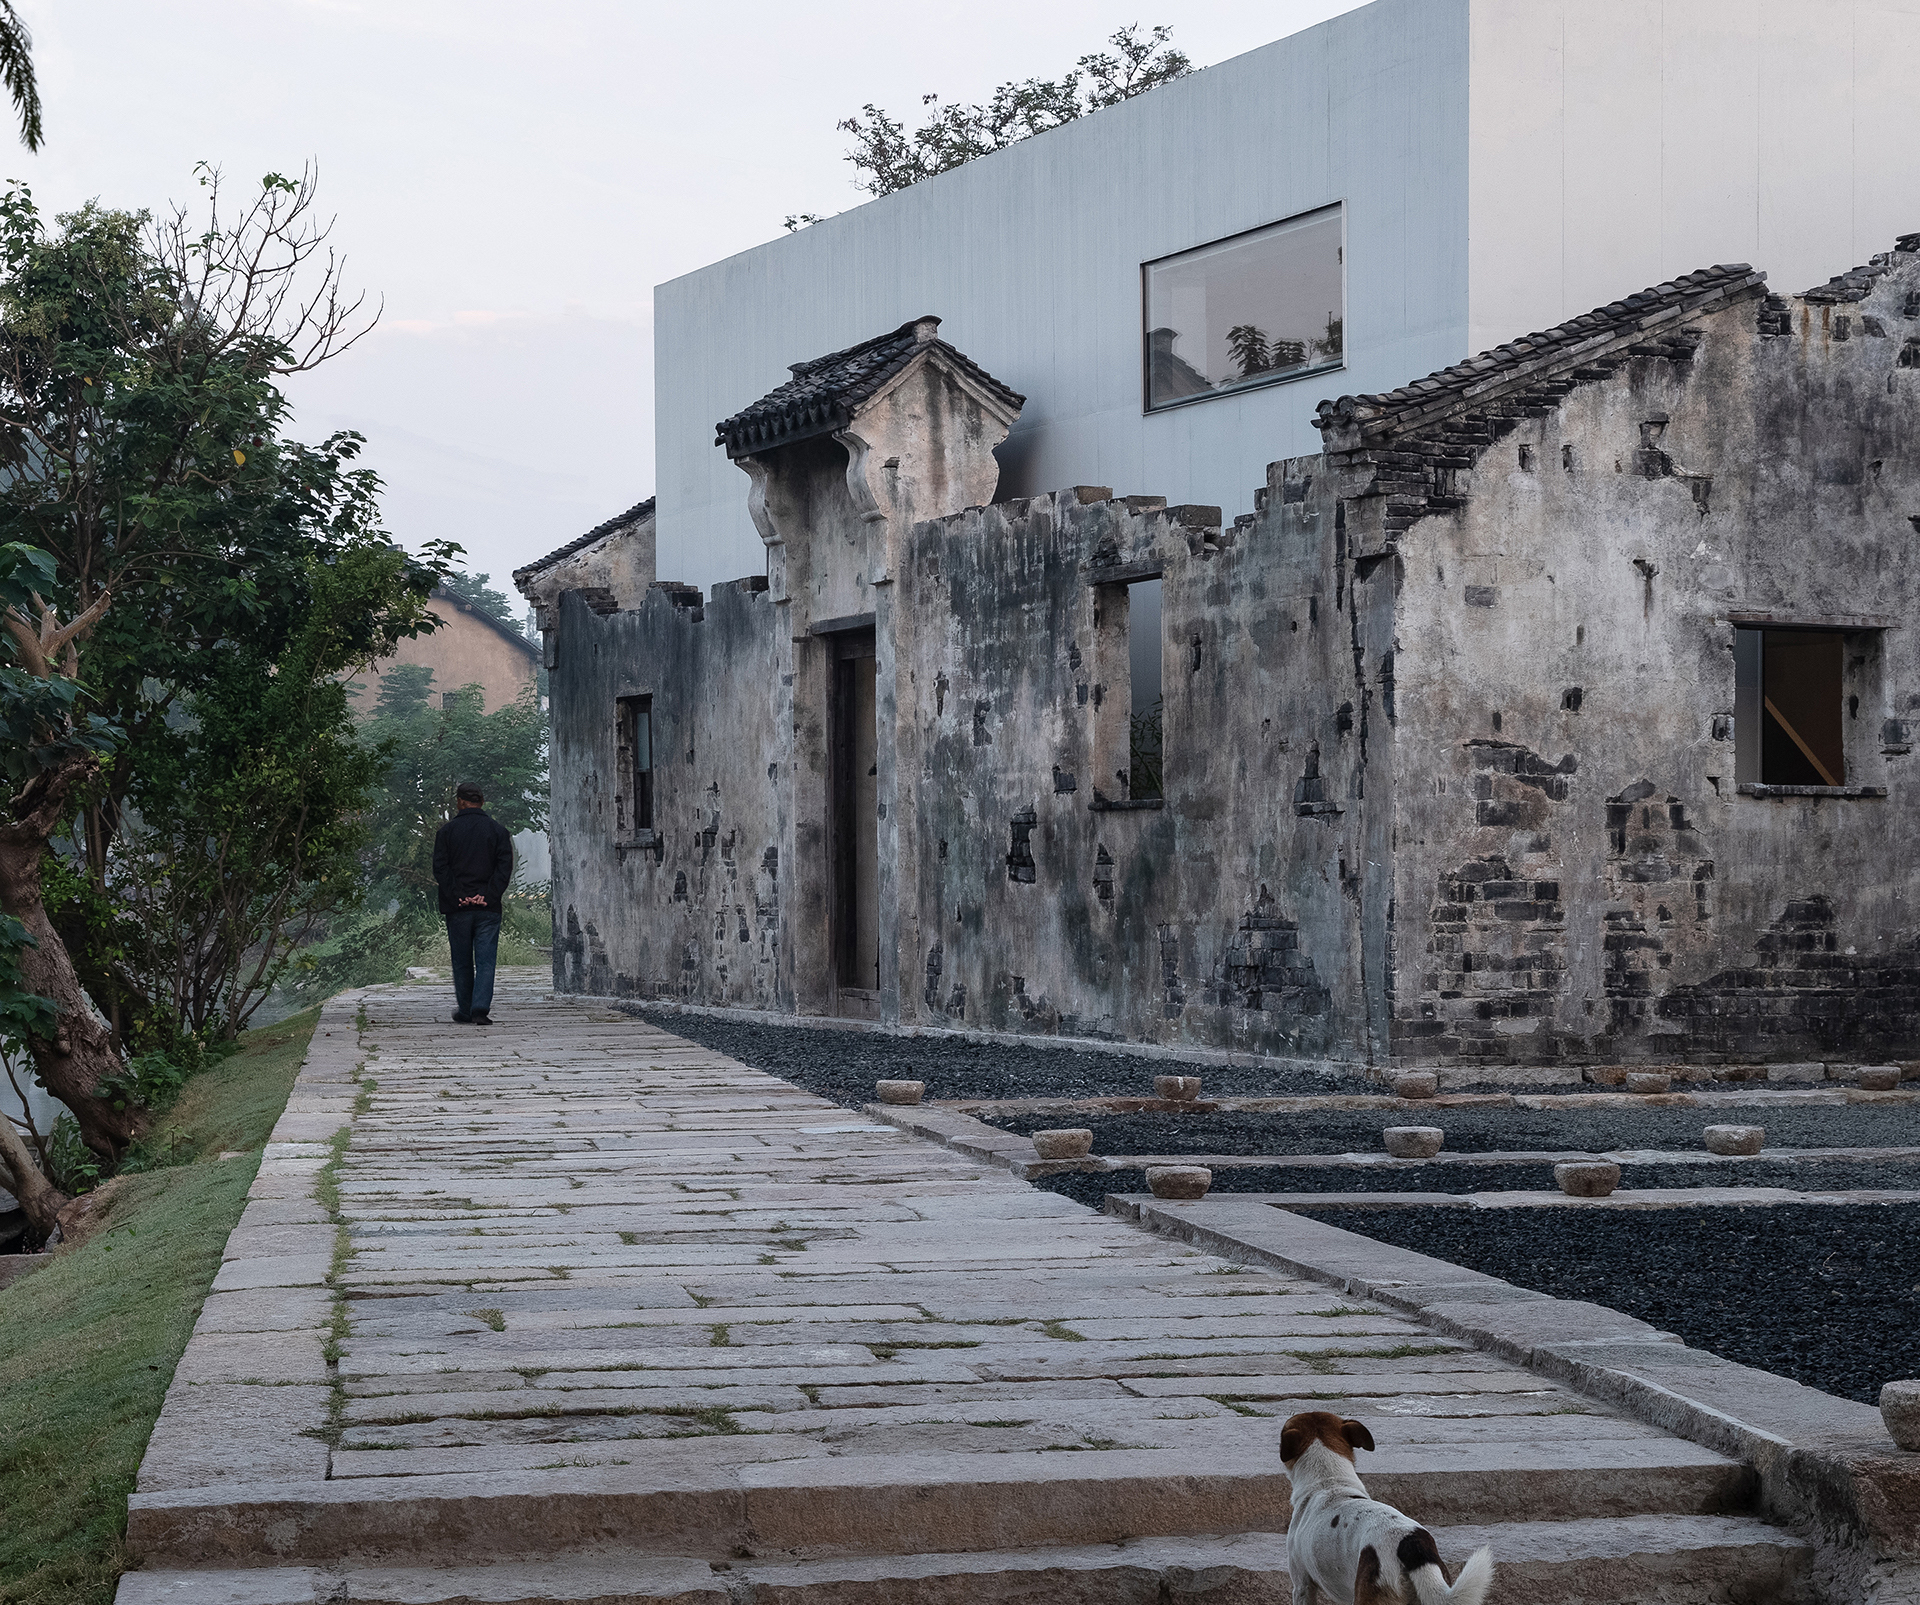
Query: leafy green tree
x,y
889,158
143,448
246,826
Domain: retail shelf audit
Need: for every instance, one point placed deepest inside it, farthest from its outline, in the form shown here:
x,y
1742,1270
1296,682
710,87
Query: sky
x,y
509,182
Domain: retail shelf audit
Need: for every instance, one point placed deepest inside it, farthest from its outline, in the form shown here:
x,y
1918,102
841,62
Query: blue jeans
x,y
474,936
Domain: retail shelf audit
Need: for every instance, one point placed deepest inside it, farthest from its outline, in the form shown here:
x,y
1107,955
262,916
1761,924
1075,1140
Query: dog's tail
x,y
1469,1588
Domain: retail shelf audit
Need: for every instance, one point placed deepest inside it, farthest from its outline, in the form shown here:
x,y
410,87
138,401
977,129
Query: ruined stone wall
x,y
1231,917
1578,876
690,910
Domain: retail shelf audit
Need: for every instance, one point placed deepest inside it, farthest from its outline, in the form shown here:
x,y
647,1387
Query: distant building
x,y
469,648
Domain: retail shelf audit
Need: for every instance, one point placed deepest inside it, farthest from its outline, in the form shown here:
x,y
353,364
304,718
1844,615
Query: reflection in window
x,y
1266,305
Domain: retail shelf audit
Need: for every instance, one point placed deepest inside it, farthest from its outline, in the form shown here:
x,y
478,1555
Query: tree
x,y
431,749
1247,344
891,159
16,72
474,590
246,826
429,745
143,452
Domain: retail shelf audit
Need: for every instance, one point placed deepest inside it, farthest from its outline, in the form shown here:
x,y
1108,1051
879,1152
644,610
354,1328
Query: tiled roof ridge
x,y
1527,359
1857,283
580,543
824,392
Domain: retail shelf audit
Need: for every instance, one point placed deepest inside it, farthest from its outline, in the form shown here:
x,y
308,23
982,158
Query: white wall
x,y
1032,257
1618,144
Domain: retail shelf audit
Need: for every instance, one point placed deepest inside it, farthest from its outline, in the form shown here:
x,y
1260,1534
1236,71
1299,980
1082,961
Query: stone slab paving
x,y
574,1287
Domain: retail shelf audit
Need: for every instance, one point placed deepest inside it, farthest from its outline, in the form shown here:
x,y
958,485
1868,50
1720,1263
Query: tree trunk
x,y
41,1200
82,1052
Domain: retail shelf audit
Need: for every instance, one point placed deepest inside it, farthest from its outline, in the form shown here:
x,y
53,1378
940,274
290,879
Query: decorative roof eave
x,y
826,394
599,532
995,397
1355,423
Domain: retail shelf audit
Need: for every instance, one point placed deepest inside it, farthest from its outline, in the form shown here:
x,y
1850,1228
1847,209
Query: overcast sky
x,y
515,179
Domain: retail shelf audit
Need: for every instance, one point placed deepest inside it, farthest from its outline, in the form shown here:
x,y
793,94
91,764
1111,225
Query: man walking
x,y
472,864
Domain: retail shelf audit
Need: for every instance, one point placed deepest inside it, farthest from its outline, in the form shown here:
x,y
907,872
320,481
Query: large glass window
x,y
1263,306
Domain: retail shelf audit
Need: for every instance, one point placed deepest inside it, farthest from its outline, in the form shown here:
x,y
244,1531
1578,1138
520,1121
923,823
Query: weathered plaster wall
x,y
1449,748
1577,876
1229,917
692,909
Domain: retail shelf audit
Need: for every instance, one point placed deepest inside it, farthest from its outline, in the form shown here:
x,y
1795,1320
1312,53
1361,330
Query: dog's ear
x,y
1294,1439
1355,1432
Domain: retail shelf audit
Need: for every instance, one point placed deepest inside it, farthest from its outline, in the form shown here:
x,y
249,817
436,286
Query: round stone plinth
x,y
1414,1142
1649,1081
1586,1178
1176,1089
1068,1144
1418,1084
1734,1139
899,1091
1179,1181
1900,1409
1879,1078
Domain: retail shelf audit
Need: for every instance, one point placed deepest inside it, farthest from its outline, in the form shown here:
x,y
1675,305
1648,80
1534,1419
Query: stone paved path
x,y
597,1286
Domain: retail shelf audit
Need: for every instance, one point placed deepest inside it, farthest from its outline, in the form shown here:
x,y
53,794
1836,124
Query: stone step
x,y
1637,1560
884,1504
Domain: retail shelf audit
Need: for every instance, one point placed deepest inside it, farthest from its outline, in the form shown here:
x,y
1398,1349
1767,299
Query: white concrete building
x,y
1452,174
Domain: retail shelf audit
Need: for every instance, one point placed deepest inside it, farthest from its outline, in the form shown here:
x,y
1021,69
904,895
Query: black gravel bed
x,y
1480,1129
1091,1187
843,1065
1823,1293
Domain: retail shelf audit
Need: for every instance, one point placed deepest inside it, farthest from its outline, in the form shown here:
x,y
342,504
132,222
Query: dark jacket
x,y
472,853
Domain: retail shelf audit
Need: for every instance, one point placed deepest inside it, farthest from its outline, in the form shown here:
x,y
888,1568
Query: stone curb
x,y
977,1140
1827,1466
250,1394
1518,1156
1622,1198
1759,1096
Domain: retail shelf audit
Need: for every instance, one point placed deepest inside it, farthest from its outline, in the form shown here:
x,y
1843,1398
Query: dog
x,y
1344,1547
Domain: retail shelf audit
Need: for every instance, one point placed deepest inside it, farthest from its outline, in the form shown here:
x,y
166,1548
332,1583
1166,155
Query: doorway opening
x,y
853,797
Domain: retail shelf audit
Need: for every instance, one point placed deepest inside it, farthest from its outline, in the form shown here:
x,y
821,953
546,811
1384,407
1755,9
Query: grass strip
x,y
88,1344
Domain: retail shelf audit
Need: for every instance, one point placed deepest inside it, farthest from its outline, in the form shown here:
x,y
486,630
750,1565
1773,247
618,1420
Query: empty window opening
x,y
1129,706
633,724
1146,699
1788,707
1262,306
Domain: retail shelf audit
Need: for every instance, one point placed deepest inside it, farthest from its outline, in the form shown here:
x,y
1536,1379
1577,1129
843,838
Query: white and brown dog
x,y
1344,1547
